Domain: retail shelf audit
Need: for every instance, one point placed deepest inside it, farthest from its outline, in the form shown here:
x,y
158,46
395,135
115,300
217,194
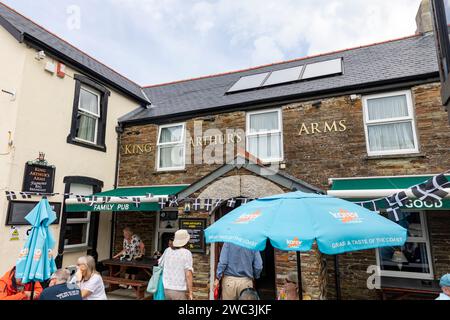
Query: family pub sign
x,y
38,178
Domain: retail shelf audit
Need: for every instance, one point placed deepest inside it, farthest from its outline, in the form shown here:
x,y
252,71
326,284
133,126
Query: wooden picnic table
x,y
145,265
116,266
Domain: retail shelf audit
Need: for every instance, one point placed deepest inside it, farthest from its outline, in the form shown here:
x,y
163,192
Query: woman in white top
x,y
89,280
178,269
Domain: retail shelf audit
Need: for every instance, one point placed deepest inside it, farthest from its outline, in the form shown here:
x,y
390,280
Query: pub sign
x,y
38,178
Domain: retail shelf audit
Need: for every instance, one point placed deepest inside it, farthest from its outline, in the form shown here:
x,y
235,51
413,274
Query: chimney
x,y
424,18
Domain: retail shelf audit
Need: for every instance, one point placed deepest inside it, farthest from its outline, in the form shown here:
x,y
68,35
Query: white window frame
x,y
173,144
424,239
97,116
86,221
409,118
249,134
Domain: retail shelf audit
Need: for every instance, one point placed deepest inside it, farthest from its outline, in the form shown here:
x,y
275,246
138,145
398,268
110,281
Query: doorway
x,y
266,285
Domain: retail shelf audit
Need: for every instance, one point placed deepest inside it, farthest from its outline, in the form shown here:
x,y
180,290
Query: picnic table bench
x,y
114,280
139,286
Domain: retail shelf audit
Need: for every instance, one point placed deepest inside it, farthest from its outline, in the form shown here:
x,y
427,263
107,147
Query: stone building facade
x,y
321,141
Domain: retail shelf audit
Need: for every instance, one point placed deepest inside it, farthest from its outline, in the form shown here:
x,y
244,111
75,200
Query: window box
x,y
389,124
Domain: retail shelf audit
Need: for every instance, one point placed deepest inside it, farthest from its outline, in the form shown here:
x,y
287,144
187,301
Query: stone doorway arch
x,y
246,186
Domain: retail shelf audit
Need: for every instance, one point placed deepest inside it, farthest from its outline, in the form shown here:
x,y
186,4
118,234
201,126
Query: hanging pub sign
x,y
196,228
38,178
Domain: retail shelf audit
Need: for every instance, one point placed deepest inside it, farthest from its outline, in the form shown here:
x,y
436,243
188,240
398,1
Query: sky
x,y
157,41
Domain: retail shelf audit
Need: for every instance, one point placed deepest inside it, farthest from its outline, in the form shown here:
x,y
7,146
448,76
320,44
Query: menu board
x,y
38,178
18,210
196,228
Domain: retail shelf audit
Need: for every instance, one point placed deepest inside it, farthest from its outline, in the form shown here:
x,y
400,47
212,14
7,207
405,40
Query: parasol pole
x,y
32,291
337,278
299,276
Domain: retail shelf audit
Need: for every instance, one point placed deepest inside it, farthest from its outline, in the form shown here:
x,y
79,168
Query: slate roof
x,y
393,61
23,28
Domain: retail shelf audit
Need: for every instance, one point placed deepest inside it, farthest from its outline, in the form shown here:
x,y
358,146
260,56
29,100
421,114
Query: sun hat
x,y
181,238
445,280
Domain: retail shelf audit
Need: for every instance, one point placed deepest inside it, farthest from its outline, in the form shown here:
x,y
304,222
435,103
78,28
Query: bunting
x,y
433,189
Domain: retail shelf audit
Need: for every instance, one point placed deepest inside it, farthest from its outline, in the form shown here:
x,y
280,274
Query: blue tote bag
x,y
159,294
155,279
156,285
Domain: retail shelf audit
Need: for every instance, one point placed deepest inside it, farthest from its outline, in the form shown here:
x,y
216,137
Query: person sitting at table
x,y
133,249
12,288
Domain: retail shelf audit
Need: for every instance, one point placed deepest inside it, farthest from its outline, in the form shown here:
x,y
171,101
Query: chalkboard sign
x,y
38,178
18,210
196,228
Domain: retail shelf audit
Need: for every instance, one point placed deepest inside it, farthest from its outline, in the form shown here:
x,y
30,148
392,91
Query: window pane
x,y
285,75
171,156
387,107
77,215
265,147
393,136
411,221
447,10
249,82
324,68
264,122
412,257
75,234
89,101
86,127
171,134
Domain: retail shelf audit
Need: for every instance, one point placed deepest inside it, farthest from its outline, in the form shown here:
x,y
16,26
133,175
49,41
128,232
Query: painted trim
x,y
427,241
97,187
182,143
11,29
248,134
82,82
408,119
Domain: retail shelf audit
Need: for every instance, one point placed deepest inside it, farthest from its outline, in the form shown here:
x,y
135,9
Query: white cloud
x,y
154,41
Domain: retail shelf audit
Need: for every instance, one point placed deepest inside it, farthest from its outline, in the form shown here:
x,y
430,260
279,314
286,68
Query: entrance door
x,y
266,285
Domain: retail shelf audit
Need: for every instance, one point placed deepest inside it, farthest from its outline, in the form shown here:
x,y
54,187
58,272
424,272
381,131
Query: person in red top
x,y
13,289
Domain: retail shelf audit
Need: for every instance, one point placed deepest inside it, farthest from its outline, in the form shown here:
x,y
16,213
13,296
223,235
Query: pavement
x,y
123,294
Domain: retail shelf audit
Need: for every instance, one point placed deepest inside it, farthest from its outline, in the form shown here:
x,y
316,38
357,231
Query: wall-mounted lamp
x,y
40,55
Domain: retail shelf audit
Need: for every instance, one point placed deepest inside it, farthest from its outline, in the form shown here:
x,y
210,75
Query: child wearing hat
x,y
445,285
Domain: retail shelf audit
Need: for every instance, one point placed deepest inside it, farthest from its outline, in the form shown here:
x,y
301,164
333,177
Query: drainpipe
x,y
119,131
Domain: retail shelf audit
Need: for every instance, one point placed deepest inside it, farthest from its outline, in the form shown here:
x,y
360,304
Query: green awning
x,y
378,183
388,183
128,192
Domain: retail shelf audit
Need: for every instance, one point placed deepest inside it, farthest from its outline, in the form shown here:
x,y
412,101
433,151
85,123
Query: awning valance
x,y
117,202
368,188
